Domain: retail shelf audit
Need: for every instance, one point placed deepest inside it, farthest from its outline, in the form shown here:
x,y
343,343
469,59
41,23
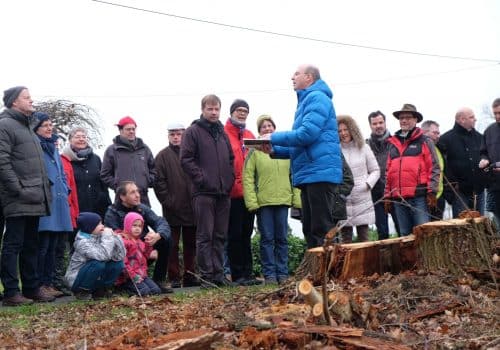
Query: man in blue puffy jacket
x,y
314,150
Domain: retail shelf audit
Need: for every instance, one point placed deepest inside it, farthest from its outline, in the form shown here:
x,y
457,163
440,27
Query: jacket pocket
x,y
31,191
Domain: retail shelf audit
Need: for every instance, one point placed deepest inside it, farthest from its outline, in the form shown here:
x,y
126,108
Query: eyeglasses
x,y
242,110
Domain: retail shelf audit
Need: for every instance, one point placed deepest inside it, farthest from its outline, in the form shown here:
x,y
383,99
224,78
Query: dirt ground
x,y
407,311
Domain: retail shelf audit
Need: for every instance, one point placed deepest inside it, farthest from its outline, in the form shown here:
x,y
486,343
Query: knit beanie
x,y
262,119
41,118
87,222
238,103
129,219
10,95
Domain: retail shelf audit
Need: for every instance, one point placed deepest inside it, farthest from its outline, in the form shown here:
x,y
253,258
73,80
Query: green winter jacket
x,y
267,182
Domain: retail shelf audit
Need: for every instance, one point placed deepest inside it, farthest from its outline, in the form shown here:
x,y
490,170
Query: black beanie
x,y
41,118
10,95
237,104
87,222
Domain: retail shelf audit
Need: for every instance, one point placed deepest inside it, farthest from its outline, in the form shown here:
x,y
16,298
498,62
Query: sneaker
x,y
191,282
242,281
16,300
41,296
83,295
175,284
52,291
165,289
224,283
270,281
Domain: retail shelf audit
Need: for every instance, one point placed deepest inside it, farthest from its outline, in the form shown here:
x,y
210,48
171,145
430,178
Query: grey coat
x,y
24,185
102,247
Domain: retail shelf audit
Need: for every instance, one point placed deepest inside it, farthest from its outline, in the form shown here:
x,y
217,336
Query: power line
x,y
293,36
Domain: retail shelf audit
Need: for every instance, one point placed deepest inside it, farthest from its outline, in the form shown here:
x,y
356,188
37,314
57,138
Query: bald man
x,y
464,182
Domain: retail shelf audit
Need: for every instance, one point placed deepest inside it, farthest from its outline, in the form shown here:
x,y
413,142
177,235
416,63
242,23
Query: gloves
x,y
431,200
387,206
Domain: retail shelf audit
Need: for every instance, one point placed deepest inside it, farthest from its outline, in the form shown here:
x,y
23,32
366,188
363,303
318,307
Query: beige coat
x,y
366,172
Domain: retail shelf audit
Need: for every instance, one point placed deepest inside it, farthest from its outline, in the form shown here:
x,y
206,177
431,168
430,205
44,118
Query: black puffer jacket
x,y
490,149
24,185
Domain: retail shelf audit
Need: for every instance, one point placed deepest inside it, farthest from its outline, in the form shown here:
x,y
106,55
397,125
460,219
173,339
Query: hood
x,y
319,85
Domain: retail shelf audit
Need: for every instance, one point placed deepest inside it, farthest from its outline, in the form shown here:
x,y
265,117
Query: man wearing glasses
x,y
128,159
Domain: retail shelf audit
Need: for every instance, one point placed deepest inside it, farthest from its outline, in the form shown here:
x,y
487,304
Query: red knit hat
x,y
126,120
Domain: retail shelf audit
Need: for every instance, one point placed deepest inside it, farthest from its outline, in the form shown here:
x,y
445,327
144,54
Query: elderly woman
x,y
269,192
52,228
93,195
365,170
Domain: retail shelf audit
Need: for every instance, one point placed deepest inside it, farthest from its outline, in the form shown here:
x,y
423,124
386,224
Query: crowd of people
x,y
212,184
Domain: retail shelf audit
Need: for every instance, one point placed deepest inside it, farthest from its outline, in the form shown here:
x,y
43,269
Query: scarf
x,y
215,129
241,130
48,144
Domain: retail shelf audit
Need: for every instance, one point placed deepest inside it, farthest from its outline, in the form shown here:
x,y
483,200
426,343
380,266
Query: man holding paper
x,y
314,150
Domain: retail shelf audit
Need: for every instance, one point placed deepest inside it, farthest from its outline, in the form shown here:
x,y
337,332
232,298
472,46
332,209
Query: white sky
x,y
156,68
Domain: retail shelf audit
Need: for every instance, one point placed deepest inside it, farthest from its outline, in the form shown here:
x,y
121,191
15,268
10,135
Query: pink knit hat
x,y
129,220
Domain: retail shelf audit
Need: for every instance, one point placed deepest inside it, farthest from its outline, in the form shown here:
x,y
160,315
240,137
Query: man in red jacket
x,y
412,172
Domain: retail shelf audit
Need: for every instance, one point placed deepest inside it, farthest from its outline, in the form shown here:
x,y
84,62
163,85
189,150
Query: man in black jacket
x,y
156,229
464,182
25,195
380,147
490,155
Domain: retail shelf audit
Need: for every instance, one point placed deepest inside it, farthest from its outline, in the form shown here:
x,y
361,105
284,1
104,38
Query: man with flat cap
x,y
128,159
412,172
25,196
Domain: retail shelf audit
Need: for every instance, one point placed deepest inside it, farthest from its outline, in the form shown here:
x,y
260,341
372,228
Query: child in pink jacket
x,y
135,278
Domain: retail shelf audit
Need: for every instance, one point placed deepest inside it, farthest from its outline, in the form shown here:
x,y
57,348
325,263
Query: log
x,y
360,259
310,294
456,245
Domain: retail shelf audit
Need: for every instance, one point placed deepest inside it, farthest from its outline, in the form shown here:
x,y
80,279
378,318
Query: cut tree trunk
x,y
456,245
360,259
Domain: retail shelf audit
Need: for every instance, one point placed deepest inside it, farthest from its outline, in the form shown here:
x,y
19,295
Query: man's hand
x,y
151,238
484,163
431,200
387,206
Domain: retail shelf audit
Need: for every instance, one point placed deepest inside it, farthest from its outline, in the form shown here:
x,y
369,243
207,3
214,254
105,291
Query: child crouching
x,y
135,278
97,260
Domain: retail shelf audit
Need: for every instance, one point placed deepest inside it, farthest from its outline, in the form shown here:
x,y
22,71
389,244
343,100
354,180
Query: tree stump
x,y
456,244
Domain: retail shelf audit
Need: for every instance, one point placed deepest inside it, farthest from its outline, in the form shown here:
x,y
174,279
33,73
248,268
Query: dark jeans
x,y
411,212
212,217
97,275
160,270
47,241
60,266
382,221
361,230
462,202
239,233
318,200
20,242
146,287
188,252
272,222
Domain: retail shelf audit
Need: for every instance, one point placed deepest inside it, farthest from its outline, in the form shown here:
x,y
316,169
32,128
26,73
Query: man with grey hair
x,y
313,147
25,193
431,130
464,182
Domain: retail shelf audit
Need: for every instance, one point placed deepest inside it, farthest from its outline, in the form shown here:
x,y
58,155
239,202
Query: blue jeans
x,y
96,275
410,213
272,222
146,287
462,202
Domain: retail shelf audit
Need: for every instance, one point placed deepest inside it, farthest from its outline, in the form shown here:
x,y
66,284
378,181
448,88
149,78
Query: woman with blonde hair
x,y
365,170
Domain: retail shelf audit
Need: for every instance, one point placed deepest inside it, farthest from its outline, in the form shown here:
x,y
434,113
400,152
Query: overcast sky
x,y
156,67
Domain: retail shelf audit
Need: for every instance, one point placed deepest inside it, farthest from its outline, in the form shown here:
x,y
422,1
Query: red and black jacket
x,y
412,167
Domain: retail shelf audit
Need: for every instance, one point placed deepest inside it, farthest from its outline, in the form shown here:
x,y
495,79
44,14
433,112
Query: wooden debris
x,y
340,305
187,342
250,338
432,312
